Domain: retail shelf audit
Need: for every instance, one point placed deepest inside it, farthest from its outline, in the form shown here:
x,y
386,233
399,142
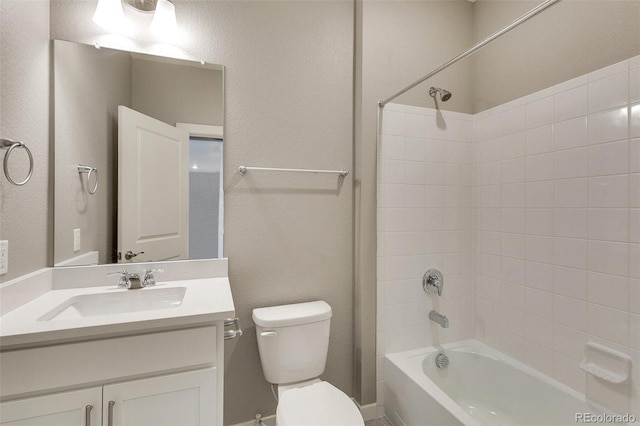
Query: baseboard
x,y
369,411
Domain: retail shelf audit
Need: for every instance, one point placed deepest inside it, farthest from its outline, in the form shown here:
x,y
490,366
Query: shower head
x,y
445,95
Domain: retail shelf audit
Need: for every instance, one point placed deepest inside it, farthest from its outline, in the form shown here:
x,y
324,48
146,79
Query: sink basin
x,y
116,302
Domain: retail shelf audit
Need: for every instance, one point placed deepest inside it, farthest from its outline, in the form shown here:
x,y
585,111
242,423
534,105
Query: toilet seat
x,y
319,404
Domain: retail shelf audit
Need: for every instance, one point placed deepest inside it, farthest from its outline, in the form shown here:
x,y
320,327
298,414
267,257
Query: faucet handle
x,y
149,279
124,278
432,282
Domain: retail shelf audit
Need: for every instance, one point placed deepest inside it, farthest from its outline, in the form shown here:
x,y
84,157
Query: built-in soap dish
x,y
605,363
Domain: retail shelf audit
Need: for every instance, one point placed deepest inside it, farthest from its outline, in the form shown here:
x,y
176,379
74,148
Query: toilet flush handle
x,y
269,334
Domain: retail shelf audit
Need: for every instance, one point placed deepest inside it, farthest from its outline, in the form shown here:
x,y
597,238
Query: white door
x,y
185,399
76,408
153,188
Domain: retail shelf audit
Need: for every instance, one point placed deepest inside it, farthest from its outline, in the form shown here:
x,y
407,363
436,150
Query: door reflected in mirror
x,y
152,128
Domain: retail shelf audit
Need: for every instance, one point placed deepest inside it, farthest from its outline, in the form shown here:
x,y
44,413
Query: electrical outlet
x,y
76,239
4,257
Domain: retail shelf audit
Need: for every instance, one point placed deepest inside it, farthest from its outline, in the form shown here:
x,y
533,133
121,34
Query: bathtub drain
x,y
442,360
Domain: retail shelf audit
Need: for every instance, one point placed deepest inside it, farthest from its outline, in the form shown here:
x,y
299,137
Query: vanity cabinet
x,y
174,399
58,409
154,379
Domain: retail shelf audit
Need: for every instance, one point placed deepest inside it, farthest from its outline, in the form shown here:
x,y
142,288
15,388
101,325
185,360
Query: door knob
x,y
130,255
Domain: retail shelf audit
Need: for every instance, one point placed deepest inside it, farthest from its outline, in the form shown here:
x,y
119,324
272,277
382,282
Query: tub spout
x,y
439,318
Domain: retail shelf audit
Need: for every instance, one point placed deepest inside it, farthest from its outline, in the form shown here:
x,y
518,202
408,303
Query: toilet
x,y
293,341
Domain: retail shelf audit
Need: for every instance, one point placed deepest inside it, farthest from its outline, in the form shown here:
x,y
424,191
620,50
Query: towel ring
x,y
89,170
11,144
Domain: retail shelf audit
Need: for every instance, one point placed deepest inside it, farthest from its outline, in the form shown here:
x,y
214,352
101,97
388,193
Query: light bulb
x,y
109,14
164,20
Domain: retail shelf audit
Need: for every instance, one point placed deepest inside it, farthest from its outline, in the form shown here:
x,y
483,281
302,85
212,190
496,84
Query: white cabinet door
x,y
183,399
58,409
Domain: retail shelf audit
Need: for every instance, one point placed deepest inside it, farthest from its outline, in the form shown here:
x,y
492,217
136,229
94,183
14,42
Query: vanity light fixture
x,y
109,14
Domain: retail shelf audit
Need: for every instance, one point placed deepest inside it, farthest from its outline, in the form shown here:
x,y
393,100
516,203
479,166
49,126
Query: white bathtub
x,y
481,386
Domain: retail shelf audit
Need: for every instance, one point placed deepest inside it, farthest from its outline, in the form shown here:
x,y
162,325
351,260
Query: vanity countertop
x,y
57,317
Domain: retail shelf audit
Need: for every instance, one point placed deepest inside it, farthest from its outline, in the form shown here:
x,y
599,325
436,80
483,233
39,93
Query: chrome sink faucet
x,y
439,318
128,280
149,279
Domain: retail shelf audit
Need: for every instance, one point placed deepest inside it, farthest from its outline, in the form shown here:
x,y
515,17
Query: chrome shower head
x,y
445,95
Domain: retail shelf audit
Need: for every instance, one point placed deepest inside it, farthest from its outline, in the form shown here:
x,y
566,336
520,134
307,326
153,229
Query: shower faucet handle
x,y
432,282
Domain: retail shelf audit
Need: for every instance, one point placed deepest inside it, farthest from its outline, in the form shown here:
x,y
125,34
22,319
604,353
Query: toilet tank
x,y
293,340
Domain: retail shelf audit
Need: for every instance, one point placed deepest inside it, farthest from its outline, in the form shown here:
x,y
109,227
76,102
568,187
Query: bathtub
x,y
481,386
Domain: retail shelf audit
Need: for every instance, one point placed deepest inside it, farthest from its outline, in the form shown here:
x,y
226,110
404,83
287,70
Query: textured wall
x,y
288,103
567,40
24,115
188,95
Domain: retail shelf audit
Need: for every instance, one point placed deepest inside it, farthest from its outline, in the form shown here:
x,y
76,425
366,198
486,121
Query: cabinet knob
x,y
110,415
87,415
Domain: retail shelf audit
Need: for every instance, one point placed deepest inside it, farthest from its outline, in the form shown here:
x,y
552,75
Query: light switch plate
x,y
4,257
76,239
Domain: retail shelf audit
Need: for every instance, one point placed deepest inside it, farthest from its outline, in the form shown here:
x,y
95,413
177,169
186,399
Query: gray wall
x,y
24,115
189,94
288,104
571,38
89,85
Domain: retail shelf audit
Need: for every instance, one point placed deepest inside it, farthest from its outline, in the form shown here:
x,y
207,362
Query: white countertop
x,y
205,301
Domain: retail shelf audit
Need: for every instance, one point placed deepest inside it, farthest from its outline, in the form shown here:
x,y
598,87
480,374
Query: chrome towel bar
x,y
11,145
245,169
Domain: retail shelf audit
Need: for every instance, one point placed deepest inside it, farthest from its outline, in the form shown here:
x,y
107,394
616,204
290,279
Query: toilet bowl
x,y
293,341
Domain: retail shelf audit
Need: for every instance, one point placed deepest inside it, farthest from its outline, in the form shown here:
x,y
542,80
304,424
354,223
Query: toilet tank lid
x,y
294,314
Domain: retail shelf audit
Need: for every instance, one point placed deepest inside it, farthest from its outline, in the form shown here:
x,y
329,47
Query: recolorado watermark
x,y
604,418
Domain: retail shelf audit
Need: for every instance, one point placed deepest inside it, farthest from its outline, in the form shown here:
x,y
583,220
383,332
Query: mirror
x,y
138,157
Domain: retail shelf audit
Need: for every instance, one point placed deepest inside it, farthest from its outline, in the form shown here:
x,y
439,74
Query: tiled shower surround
x,y
532,211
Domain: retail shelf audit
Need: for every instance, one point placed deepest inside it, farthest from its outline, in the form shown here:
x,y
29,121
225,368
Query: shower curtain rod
x,y
520,20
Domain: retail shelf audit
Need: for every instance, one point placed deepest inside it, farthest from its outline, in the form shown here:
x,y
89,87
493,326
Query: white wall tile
x,y
539,113
570,312
609,224
513,170
513,195
570,252
513,245
634,156
539,140
608,257
539,222
634,85
607,323
539,357
571,103
609,290
570,223
634,128
569,341
609,191
540,304
568,371
540,167
570,193
608,71
607,126
539,194
414,149
539,276
570,133
570,282
571,163
609,92
609,159
539,248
